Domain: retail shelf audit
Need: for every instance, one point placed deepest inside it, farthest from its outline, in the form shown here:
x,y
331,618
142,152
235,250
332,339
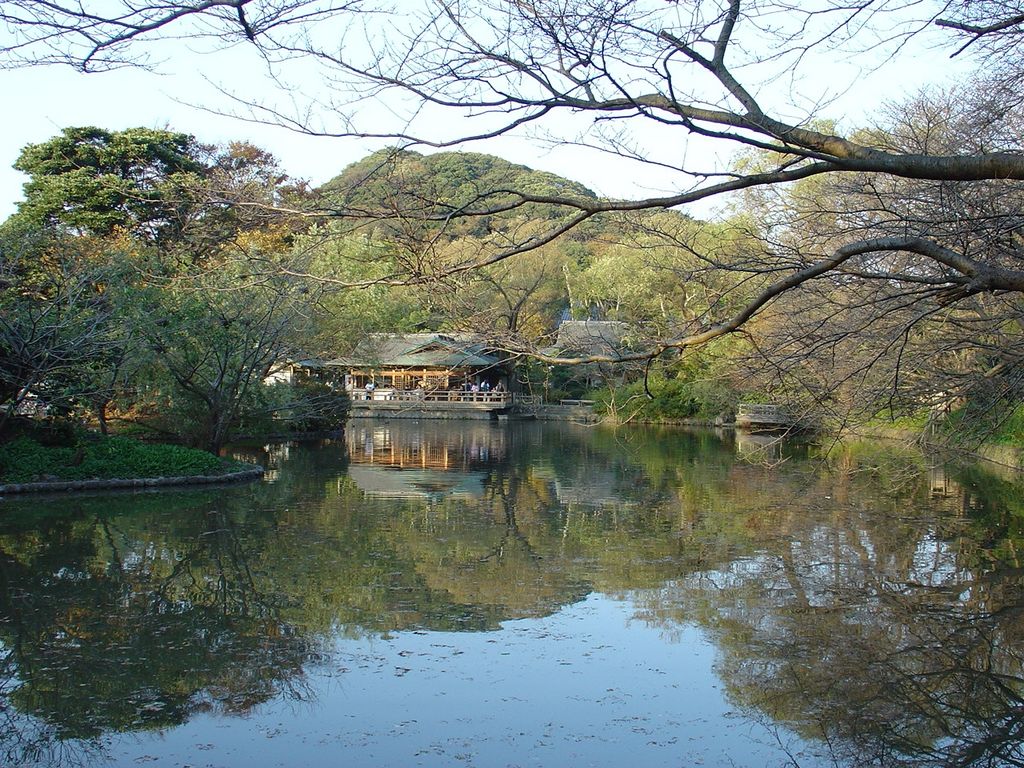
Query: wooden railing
x,y
434,396
762,414
759,409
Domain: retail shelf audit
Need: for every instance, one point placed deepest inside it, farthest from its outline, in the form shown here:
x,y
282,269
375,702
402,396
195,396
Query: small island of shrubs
x,y
92,460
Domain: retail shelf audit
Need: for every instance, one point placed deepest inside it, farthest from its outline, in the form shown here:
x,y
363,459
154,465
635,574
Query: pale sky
x,y
45,100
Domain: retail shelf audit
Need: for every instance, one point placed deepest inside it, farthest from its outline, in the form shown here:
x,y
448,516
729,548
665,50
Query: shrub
x,y
308,405
26,460
672,400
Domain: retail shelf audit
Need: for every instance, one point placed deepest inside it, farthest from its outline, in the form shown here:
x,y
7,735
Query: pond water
x,y
465,593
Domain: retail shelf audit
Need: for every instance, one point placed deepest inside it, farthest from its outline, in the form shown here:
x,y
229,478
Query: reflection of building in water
x,y
759,446
422,459
270,456
941,485
597,488
405,445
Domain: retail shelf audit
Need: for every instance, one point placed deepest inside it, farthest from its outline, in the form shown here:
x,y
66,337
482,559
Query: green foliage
x,y
151,263
211,347
349,314
1011,429
409,182
26,460
307,405
911,422
662,400
680,392
98,181
563,381
651,270
61,302
408,216
983,421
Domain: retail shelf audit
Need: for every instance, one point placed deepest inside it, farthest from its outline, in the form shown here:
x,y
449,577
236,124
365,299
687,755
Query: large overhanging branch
x,y
983,29
455,68
470,95
972,278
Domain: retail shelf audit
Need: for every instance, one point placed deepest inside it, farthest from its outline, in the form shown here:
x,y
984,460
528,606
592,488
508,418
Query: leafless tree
x,y
893,331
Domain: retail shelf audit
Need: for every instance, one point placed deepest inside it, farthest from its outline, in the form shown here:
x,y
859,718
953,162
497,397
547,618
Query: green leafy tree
x,y
214,336
357,299
95,181
59,319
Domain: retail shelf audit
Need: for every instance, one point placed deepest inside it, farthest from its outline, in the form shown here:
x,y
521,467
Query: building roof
x,y
418,350
591,337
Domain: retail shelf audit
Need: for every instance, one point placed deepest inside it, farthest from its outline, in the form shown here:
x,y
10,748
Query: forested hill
x,y
407,182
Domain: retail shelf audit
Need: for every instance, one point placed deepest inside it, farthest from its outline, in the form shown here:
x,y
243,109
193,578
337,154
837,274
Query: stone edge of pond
x,y
250,472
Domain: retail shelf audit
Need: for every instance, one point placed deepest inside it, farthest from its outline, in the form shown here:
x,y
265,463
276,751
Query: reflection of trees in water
x,y
905,679
112,624
161,606
888,633
833,599
34,742
840,602
493,553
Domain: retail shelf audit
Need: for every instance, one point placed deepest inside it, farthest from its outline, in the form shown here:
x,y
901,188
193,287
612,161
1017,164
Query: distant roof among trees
x,y
415,350
591,337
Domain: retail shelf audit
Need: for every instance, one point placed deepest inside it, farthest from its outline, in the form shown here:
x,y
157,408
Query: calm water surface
x,y
437,594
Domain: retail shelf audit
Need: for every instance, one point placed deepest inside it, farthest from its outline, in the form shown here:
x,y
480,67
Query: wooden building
x,y
421,376
420,362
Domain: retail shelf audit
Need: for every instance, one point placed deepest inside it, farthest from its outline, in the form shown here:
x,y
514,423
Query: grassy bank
x,y
25,460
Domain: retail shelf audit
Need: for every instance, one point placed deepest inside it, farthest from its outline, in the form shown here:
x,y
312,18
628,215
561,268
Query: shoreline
x,y
249,472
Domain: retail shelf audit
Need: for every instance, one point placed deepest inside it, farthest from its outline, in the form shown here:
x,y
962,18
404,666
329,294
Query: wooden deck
x,y
438,403
760,417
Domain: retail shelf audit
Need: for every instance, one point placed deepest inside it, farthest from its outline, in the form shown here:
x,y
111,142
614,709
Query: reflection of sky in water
x,y
585,687
935,563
